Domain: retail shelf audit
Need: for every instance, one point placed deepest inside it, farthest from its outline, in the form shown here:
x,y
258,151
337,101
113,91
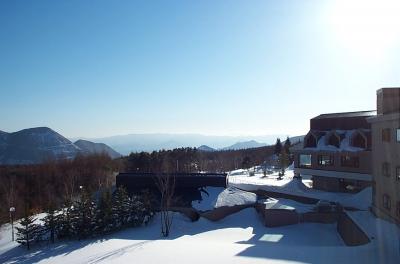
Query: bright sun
x,y
368,29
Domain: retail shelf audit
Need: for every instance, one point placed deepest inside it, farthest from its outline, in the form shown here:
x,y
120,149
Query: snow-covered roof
x,y
347,114
345,140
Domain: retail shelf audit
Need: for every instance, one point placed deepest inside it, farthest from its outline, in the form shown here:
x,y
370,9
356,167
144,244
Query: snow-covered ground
x,y
289,185
239,238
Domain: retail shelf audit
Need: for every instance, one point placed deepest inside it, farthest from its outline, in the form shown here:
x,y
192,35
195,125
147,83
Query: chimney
x,y
388,101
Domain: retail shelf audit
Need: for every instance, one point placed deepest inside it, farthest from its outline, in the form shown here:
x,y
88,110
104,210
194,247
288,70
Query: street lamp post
x,y
12,211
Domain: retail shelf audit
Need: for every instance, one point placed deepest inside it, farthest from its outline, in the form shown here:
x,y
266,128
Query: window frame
x,y
386,134
398,208
386,202
398,173
331,160
386,169
398,135
302,165
344,162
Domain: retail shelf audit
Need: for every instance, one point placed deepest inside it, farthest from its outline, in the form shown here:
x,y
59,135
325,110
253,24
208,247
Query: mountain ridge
x,y
36,145
125,144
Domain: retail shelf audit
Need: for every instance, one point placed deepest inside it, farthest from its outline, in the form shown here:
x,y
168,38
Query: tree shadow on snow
x,y
270,243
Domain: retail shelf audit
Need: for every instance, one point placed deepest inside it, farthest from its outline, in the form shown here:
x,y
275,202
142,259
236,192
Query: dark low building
x,y
337,151
188,186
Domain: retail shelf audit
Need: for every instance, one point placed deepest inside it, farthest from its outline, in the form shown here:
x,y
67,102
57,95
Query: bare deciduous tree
x,y
166,185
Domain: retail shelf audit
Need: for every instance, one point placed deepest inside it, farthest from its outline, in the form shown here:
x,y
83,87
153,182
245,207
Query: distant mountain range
x,y
35,145
245,145
206,148
126,144
236,146
90,147
248,144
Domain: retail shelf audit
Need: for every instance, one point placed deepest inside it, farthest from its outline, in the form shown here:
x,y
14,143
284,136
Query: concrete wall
x,y
316,217
277,217
300,199
350,232
222,212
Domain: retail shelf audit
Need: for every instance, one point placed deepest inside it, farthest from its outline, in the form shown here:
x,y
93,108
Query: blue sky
x,y
94,69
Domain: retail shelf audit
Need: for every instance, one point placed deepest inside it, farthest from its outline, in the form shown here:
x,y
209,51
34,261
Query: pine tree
x,y
64,223
51,221
28,231
137,212
287,145
121,208
283,161
103,221
148,200
246,163
82,216
278,147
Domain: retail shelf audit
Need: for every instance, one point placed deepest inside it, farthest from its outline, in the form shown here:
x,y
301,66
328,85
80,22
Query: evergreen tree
x,y
64,223
278,147
51,221
287,145
82,216
148,200
283,161
246,163
137,211
103,221
121,208
28,231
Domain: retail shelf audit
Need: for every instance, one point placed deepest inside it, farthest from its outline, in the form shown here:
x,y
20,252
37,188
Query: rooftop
x,y
347,114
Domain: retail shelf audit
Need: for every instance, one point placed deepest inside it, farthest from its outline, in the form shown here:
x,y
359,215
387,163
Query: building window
x,y
350,161
386,169
334,140
305,160
386,135
398,209
325,160
359,141
386,201
398,173
310,141
398,134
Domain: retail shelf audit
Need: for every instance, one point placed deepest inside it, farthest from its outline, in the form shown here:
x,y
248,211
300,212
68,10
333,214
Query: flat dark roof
x,y
175,174
347,114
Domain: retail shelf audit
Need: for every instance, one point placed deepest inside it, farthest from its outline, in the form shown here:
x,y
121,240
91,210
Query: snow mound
x,y
208,199
295,186
233,196
239,172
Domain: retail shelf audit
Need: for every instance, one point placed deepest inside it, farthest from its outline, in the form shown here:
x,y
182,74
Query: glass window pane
x,y
305,160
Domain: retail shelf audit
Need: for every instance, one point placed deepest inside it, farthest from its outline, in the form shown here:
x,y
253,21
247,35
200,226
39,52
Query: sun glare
x,y
368,29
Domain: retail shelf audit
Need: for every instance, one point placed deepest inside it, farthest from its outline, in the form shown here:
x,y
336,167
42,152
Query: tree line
x,y
54,181
194,160
86,217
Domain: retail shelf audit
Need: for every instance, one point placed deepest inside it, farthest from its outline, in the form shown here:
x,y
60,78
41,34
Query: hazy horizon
x,y
178,67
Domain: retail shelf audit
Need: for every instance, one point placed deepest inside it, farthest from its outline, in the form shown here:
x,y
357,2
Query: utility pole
x,y
12,211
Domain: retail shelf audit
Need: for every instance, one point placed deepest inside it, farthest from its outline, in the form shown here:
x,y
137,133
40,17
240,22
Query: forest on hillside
x,y
194,160
59,181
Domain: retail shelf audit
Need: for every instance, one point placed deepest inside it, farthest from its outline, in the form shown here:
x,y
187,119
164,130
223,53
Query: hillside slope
x,y
36,145
90,147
